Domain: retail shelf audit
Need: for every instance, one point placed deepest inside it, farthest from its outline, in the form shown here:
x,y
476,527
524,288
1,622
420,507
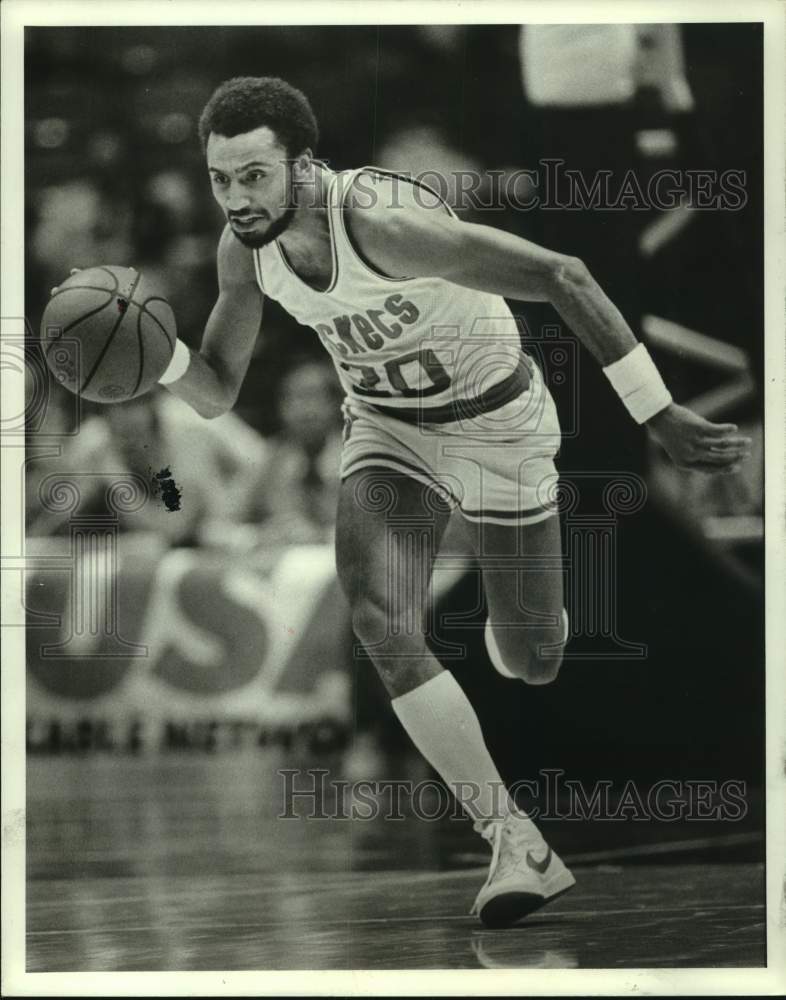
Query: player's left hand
x,y
698,444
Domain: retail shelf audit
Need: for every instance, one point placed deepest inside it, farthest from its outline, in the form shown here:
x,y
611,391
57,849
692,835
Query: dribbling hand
x,y
697,444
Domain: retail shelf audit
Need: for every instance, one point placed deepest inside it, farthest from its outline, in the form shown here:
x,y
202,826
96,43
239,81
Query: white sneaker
x,y
525,874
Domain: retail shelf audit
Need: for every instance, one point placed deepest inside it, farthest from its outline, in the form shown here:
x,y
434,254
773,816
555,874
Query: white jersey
x,y
395,341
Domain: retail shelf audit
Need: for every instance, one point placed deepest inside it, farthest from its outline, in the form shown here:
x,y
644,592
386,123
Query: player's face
x,y
252,182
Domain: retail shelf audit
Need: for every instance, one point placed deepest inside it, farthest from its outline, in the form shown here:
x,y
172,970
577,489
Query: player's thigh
x,y
526,586
388,530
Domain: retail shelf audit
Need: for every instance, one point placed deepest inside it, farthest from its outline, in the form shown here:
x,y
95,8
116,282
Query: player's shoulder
x,y
379,203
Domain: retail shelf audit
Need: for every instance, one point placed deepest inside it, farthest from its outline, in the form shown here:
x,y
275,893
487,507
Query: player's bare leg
x,y
385,570
386,538
526,616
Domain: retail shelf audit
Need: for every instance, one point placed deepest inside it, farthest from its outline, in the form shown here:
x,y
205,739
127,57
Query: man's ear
x,y
301,167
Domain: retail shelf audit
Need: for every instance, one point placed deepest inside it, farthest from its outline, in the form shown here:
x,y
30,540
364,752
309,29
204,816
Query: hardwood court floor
x,y
179,863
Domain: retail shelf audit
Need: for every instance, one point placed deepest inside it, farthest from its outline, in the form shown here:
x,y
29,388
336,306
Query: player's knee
x,y
369,617
542,669
375,621
543,663
534,656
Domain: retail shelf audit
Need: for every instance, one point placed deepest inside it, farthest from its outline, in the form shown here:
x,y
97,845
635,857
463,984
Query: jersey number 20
x,y
394,374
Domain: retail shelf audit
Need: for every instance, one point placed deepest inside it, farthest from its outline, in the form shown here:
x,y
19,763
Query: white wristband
x,y
178,366
637,382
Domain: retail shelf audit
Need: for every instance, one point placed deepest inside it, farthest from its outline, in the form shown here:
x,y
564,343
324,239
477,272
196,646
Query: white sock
x,y
443,725
496,657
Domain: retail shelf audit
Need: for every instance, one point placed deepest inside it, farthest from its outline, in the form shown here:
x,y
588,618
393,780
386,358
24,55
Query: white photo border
x,y
16,15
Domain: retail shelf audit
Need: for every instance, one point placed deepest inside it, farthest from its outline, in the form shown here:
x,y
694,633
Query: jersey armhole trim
x,y
341,208
258,269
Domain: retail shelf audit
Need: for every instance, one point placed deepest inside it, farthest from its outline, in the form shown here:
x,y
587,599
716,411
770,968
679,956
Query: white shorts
x,y
496,467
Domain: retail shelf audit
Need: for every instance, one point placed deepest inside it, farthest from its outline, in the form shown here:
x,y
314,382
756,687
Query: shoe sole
x,y
510,907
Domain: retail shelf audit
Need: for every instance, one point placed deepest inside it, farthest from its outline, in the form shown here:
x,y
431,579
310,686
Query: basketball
x,y
108,333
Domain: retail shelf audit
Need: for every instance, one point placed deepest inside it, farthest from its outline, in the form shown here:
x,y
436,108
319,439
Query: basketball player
x,y
443,410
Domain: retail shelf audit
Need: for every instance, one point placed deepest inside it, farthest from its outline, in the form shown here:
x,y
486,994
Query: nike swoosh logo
x,y
539,866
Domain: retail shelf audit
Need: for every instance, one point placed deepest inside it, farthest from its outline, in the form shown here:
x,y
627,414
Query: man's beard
x,y
278,226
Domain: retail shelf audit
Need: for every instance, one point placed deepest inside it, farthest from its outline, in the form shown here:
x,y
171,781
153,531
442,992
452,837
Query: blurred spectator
x,y
210,463
295,496
603,65
78,225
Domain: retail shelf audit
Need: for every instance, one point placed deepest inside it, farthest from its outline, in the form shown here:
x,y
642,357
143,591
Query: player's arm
x,y
414,241
209,380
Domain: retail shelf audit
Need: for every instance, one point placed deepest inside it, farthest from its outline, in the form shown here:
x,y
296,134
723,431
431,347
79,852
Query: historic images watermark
x,y
312,794
550,186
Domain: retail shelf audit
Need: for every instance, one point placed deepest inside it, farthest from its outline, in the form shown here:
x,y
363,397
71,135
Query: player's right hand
x,y
71,273
697,444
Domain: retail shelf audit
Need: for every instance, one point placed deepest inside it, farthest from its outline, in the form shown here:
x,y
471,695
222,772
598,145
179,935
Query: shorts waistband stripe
x,y
510,514
512,386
